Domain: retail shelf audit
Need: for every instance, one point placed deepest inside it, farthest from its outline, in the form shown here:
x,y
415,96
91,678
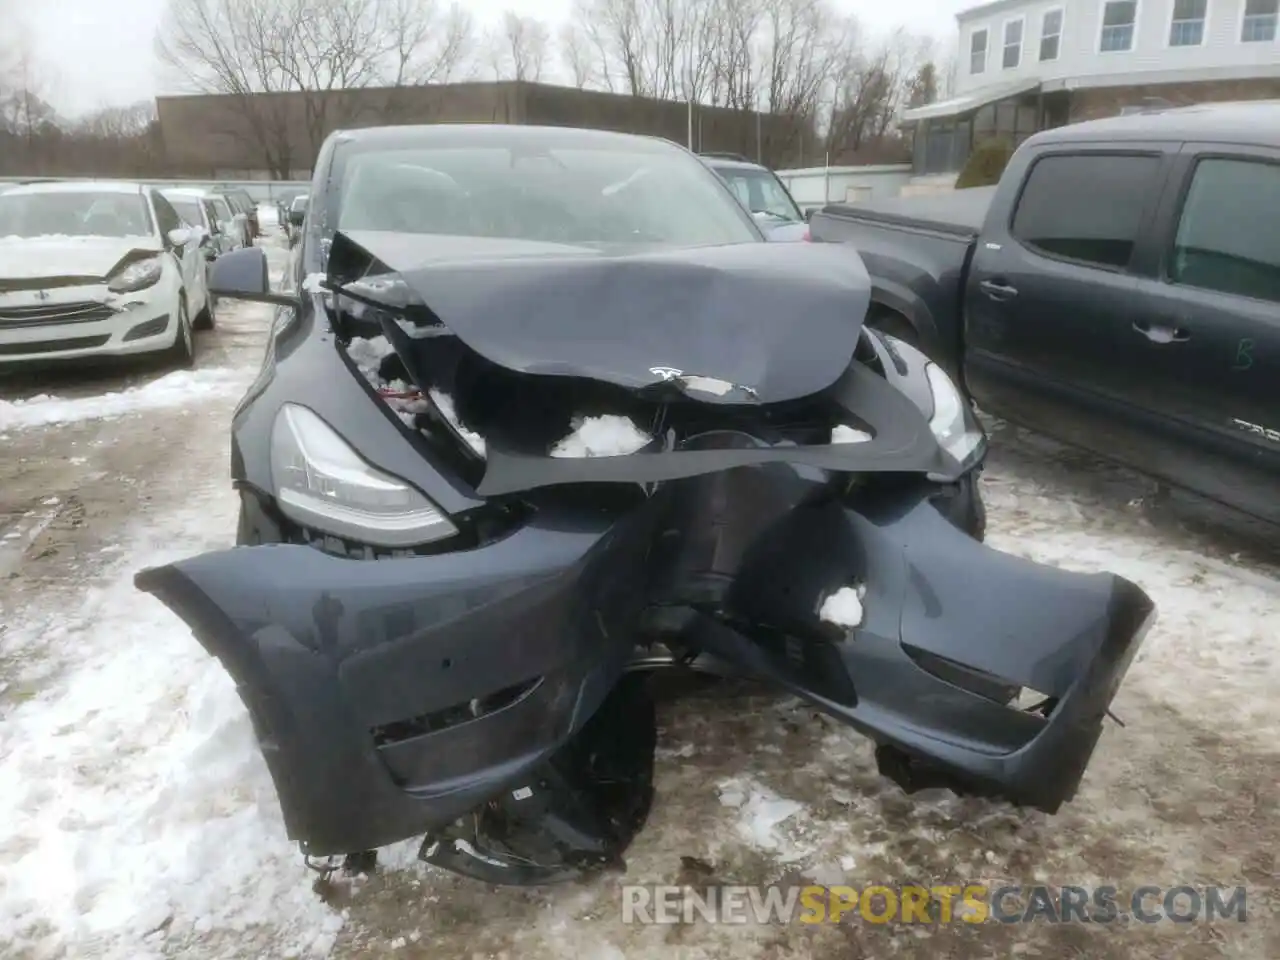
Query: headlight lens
x,y
136,276
951,423
323,483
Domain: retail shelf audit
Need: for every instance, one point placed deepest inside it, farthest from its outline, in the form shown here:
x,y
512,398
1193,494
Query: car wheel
x,y
183,351
205,319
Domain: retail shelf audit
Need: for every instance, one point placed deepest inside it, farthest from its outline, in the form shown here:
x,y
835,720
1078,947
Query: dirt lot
x,y
137,819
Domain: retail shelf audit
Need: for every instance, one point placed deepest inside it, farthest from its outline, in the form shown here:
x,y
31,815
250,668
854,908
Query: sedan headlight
x,y
953,425
323,483
136,276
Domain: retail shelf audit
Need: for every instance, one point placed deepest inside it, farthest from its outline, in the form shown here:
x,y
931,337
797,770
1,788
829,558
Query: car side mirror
x,y
808,215
243,275
179,236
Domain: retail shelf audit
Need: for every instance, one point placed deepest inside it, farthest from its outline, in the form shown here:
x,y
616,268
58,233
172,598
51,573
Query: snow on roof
x,y
199,193
78,186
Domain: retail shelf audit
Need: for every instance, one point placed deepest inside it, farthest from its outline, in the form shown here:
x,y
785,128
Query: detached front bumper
x,y
392,697
948,625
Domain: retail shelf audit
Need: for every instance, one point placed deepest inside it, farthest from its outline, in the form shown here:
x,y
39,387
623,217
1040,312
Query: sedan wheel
x,y
183,351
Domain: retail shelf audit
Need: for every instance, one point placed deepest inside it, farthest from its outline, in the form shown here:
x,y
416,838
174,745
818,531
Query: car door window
x,y
1089,208
1228,237
166,216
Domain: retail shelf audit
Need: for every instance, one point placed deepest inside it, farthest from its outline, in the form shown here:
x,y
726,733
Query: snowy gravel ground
x,y
137,819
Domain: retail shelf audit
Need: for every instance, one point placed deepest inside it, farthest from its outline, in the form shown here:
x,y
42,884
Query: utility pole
x,y
688,93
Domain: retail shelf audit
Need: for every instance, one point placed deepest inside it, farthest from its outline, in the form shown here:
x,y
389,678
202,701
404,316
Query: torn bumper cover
x,y
393,697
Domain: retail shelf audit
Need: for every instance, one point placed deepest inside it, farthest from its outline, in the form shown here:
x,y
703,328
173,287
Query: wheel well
x,y
890,321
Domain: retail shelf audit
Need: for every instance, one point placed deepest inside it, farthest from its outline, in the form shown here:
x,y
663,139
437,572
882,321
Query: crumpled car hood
x,y
781,322
90,258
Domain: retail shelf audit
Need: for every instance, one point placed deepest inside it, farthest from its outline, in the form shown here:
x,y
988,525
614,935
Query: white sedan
x,y
93,268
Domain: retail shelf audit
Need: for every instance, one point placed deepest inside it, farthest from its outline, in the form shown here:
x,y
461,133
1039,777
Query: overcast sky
x,y
99,53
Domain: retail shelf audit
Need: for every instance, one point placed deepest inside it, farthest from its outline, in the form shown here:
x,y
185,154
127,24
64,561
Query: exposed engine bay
x,y
675,460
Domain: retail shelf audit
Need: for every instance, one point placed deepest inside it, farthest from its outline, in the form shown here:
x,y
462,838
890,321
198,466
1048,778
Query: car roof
x,y
191,193
457,134
1249,121
79,186
725,163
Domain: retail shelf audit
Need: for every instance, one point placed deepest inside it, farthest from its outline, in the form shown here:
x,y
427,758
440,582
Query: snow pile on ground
x,y
847,434
604,436
844,607
173,390
137,817
268,216
761,813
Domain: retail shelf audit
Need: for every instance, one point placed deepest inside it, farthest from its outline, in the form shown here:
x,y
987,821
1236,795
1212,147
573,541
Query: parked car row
x,y
1119,289
97,268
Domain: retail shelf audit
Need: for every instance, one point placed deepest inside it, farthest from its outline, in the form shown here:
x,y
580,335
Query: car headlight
x,y
323,483
952,424
136,276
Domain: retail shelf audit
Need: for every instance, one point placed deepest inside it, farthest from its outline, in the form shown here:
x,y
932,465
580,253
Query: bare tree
x,y
308,55
520,48
870,91
577,56
922,88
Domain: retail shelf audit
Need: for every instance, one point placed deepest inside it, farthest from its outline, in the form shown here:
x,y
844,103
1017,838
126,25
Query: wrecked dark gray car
x,y
546,414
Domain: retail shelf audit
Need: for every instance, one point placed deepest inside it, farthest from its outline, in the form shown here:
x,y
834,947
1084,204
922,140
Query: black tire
x,y
205,318
183,352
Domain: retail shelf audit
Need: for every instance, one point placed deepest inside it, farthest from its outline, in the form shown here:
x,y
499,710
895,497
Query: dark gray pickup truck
x,y
1118,290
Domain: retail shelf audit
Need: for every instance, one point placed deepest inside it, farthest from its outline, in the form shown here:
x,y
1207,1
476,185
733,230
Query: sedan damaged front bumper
x,y
391,698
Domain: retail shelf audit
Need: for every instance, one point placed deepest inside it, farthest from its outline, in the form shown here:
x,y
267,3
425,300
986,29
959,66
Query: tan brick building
x,y
276,135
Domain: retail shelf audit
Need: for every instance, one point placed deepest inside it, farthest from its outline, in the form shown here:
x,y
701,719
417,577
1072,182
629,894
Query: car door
x,y
211,219
1208,324
1050,297
190,259
226,224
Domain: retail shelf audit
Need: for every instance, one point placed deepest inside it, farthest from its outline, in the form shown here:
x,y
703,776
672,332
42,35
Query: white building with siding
x,y
1024,65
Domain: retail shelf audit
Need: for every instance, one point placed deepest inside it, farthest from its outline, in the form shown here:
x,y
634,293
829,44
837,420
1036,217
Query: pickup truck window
x,y
1086,207
1228,237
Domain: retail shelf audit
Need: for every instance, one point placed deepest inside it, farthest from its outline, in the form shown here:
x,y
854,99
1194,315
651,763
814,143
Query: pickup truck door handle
x,y
1160,333
996,290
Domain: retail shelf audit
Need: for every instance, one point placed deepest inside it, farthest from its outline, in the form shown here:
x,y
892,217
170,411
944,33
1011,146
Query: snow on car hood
x,y
777,322
29,258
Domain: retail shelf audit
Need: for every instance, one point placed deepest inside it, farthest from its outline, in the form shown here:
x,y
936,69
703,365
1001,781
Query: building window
x,y
1187,28
1118,17
1228,237
1050,35
1260,18
978,51
1012,44
1089,208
